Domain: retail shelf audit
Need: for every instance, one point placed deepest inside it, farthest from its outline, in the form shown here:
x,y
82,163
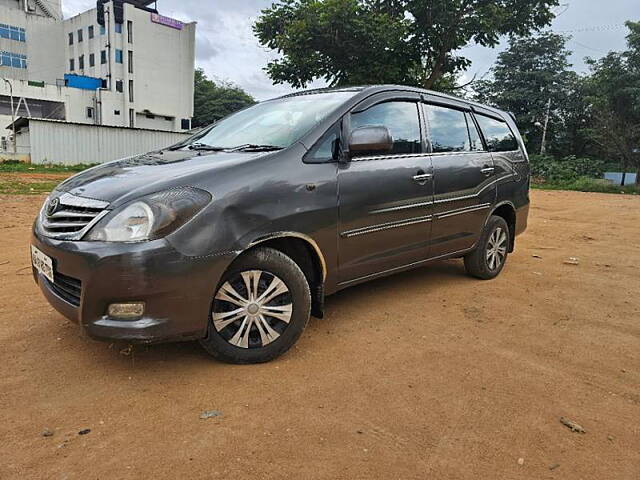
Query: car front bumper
x,y
177,290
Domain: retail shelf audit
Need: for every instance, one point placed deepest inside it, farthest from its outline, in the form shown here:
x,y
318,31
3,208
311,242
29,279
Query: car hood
x,y
122,180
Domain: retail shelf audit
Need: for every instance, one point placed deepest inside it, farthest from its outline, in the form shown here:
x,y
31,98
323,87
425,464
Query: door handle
x,y
488,170
422,177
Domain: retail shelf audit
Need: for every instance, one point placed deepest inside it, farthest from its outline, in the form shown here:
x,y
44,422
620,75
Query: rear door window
x,y
401,118
497,134
448,129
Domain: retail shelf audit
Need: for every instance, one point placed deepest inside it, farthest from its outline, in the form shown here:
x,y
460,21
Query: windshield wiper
x,y
254,147
204,146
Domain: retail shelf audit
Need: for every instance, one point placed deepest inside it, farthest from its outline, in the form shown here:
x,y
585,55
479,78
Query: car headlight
x,y
150,217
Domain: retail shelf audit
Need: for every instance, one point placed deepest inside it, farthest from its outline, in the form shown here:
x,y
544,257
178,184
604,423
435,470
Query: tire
x,y
243,331
481,263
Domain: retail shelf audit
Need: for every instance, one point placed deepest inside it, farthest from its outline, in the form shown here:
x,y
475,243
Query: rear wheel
x,y
260,309
489,257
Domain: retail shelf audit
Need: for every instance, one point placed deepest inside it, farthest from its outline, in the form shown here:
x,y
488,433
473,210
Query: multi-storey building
x,y
119,64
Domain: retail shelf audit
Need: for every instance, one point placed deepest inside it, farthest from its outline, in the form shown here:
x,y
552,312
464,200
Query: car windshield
x,y
274,123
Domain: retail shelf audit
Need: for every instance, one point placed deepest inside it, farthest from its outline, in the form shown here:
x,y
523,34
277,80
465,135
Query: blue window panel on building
x,y
103,30
118,28
8,59
118,56
12,33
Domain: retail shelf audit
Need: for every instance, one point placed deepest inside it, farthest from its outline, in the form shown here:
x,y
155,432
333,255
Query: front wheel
x,y
261,308
489,257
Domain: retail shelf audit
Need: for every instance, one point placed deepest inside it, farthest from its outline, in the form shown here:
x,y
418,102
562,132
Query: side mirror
x,y
370,139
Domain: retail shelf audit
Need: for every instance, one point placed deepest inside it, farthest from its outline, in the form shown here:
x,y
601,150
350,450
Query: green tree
x,y
215,101
530,73
411,42
614,95
572,132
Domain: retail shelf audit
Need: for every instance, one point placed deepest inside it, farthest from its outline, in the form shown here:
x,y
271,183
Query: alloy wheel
x,y
496,248
252,309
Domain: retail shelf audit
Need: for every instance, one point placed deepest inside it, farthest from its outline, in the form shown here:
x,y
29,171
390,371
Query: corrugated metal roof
x,y
24,121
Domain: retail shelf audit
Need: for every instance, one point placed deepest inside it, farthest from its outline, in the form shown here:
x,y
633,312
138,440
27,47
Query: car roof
x,y
367,90
316,91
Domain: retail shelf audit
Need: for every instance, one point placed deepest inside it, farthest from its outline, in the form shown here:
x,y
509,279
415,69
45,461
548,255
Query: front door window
x,y
401,118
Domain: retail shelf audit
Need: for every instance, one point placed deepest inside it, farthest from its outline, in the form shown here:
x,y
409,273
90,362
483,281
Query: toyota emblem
x,y
53,206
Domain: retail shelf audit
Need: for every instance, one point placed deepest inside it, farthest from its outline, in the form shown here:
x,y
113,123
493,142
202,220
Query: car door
x,y
463,181
385,200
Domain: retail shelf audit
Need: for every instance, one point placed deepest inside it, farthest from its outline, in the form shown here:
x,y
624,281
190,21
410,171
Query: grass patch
x,y
586,184
21,187
18,178
12,166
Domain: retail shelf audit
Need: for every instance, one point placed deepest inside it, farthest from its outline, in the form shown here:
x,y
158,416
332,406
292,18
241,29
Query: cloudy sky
x,y
227,49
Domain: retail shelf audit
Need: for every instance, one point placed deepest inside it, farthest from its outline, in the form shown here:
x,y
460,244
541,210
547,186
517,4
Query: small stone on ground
x,y
210,414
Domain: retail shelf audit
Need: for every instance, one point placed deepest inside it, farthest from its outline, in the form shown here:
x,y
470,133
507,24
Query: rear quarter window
x,y
497,134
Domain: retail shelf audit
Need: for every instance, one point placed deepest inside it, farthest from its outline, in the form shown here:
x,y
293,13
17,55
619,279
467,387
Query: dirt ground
x,y
423,375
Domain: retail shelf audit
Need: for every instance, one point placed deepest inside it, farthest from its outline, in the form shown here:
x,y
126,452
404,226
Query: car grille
x,y
70,217
68,288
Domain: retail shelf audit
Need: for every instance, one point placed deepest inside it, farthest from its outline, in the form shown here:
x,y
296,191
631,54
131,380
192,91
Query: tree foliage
x,y
613,90
410,42
532,71
214,101
592,115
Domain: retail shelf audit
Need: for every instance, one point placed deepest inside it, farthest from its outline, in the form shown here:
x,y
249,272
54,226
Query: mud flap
x,y
317,301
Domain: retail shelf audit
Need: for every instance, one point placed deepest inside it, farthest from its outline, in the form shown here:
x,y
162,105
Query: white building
x,y
135,70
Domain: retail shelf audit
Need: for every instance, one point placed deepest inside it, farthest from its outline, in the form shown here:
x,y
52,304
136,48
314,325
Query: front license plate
x,y
42,262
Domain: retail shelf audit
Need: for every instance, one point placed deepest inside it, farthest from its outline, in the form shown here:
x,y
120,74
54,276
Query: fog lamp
x,y
126,311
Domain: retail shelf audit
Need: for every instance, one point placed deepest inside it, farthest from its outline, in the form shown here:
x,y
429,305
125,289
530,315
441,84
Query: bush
x,y
567,169
587,184
572,173
613,167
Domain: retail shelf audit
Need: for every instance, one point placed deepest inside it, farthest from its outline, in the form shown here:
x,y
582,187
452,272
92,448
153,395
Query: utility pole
x,y
107,14
543,147
13,116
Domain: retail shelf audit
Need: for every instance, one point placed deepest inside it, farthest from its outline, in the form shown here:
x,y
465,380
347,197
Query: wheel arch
x,y
507,211
306,253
